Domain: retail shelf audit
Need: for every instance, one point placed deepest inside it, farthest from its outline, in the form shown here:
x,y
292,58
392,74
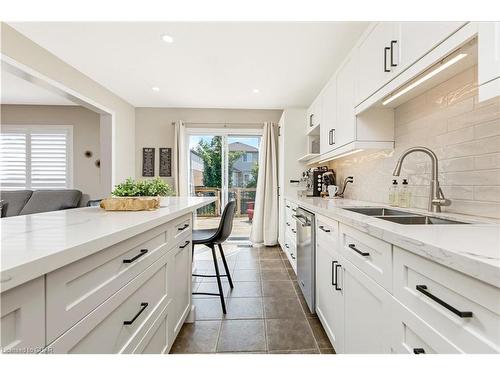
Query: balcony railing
x,y
244,197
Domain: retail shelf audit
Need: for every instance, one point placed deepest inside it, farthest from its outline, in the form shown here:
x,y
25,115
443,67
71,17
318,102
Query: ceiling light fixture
x,y
255,91
431,73
167,38
154,88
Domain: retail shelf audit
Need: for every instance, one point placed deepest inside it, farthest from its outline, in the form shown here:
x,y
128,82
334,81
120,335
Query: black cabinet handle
x,y
183,227
292,256
294,181
334,277
463,314
323,229
294,209
287,206
393,42
419,351
294,231
311,116
286,245
143,252
362,253
185,244
288,224
385,59
331,137
129,322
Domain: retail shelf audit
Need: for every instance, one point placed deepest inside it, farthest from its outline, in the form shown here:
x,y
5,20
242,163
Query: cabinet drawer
x,y
432,291
327,233
75,290
411,335
369,254
181,226
117,325
157,339
22,322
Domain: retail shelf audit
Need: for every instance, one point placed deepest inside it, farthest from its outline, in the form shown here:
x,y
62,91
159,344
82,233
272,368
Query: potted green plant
x,y
133,195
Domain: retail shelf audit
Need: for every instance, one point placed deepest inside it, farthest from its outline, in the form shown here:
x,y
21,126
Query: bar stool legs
x,y
219,283
218,275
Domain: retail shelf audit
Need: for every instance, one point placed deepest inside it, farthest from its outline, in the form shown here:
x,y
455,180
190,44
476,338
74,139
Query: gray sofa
x,y
25,202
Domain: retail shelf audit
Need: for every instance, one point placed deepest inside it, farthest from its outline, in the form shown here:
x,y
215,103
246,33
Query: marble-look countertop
x,y
473,249
33,245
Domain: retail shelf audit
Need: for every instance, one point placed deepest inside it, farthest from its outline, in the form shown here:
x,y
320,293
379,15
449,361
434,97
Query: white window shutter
x,y
13,160
36,157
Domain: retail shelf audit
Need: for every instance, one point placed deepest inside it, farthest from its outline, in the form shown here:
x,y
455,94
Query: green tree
x,y
255,175
211,154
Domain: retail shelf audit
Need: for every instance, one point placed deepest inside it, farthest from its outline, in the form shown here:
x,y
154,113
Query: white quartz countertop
x,y
473,249
33,245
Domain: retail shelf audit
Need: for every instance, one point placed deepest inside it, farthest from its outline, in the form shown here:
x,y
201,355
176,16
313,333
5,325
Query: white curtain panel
x,y
180,167
265,219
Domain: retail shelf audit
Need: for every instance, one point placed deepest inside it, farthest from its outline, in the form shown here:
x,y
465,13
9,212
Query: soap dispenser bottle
x,y
393,193
404,195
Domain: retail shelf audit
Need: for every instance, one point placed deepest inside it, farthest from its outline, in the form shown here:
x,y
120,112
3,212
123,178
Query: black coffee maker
x,y
322,177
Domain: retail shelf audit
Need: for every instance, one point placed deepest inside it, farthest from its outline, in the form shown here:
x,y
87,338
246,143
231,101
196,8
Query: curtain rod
x,y
224,123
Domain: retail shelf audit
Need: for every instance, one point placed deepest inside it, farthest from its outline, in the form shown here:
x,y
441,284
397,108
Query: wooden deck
x,y
241,225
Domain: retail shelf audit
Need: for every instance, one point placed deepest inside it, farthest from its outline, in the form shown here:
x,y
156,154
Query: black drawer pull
x,y
419,351
286,245
336,277
129,322
393,42
294,209
292,256
323,229
463,314
288,224
294,231
143,252
287,206
362,253
185,244
183,227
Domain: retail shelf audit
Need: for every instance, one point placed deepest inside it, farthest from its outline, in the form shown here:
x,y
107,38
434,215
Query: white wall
x,y
24,51
86,176
154,126
465,135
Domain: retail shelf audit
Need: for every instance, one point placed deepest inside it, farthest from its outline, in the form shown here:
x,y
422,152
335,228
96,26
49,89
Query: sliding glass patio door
x,y
224,166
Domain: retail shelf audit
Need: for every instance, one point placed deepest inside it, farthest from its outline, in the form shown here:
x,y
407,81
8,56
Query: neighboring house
x,y
242,168
196,168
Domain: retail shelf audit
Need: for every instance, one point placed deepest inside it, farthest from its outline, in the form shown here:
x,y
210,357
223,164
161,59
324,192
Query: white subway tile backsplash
x,y
464,134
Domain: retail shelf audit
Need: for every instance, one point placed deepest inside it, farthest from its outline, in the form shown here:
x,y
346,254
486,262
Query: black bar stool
x,y
216,236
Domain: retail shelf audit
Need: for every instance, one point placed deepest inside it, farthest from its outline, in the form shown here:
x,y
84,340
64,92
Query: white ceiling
x,y
209,65
16,90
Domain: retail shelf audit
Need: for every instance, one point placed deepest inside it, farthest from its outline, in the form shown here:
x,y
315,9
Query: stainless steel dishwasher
x,y
306,255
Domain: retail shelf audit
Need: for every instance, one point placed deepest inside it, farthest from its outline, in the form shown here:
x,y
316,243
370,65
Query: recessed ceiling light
x,y
255,91
155,88
167,38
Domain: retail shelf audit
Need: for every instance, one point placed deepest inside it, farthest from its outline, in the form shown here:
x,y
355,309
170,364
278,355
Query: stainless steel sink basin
x,y
378,211
419,220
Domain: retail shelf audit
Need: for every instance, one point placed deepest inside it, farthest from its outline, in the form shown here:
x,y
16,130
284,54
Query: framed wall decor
x,y
148,162
165,162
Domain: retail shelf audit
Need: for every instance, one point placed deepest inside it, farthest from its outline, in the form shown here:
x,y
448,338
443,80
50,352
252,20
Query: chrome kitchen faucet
x,y
436,197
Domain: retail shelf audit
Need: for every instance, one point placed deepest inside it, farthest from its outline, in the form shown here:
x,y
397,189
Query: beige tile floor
x,y
266,312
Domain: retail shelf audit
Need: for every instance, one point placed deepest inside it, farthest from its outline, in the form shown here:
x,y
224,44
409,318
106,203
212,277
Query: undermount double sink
x,y
402,217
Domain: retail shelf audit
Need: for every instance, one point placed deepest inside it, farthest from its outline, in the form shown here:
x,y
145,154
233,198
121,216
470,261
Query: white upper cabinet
x,y
489,60
346,118
375,59
417,38
328,126
314,115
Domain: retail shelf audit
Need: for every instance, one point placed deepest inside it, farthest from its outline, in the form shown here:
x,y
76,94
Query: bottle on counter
x,y
404,195
393,193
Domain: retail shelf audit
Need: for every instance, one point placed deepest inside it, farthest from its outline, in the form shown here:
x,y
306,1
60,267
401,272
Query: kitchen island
x,y
91,281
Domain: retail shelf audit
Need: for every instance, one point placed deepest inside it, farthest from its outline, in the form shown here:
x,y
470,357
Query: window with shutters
x,y
36,157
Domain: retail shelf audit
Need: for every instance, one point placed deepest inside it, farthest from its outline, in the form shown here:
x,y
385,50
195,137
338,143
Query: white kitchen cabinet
x,y
291,146
180,280
329,117
329,297
415,39
346,101
374,54
314,114
367,310
22,322
489,60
